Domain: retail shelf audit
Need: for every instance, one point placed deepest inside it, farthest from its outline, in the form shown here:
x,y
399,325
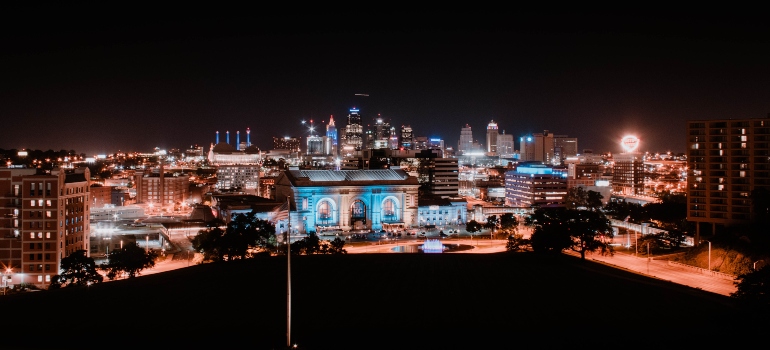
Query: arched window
x,y
389,208
324,211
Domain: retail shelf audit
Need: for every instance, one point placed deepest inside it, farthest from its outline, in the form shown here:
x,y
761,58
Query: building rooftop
x,y
349,177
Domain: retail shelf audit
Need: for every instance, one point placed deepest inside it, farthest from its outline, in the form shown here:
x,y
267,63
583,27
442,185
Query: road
x,y
661,269
665,270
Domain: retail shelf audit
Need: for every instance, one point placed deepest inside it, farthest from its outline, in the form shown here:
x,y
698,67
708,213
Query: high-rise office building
x,y
628,173
439,176
407,138
331,138
564,147
727,160
354,131
286,143
492,133
534,185
465,145
505,145
537,147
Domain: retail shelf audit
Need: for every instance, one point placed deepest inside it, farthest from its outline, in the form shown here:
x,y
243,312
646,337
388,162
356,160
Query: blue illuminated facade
x,y
349,200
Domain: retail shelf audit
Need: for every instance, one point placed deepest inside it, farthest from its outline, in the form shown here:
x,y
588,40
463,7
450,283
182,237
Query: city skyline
x,y
106,85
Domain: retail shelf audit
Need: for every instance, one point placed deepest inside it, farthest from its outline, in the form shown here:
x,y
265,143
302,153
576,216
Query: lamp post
x,y
709,255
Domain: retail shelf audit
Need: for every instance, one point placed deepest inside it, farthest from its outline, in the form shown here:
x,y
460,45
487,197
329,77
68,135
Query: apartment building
x,y
45,217
727,160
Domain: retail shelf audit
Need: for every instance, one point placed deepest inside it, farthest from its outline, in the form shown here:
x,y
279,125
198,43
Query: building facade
x,y
465,145
492,133
161,189
46,217
628,173
534,185
348,199
727,160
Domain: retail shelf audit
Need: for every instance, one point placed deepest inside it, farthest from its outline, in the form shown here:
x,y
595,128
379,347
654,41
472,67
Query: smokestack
x,y
238,140
217,138
248,138
227,136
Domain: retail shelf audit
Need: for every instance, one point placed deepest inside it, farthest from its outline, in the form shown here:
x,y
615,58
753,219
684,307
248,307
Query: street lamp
x,y
709,255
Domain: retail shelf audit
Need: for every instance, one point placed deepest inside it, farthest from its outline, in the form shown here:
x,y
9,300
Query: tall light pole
x,y
709,255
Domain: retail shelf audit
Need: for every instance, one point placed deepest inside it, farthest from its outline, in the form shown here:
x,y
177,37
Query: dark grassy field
x,y
385,301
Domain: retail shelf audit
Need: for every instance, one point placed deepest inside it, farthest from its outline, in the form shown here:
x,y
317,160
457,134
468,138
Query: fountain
x,y
432,246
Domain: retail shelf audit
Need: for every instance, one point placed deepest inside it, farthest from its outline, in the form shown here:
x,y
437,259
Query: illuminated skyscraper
x,y
465,144
505,145
354,131
331,138
407,138
492,137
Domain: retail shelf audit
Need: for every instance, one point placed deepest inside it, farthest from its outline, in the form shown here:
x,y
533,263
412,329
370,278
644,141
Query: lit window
x,y
47,235
31,235
32,203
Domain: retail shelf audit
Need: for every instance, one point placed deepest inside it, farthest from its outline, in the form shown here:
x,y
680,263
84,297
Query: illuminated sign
x,y
629,143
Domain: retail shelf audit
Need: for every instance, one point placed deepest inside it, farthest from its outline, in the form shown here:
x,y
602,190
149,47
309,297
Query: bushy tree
x,y
312,244
131,260
578,198
309,245
337,246
77,269
753,290
556,229
473,226
625,211
516,242
243,237
509,221
492,222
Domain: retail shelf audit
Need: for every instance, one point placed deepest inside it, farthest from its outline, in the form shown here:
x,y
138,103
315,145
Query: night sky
x,y
122,81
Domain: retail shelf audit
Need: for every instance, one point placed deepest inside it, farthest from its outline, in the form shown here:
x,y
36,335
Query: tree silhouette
x,y
77,270
582,231
516,242
753,290
509,221
243,237
131,260
473,226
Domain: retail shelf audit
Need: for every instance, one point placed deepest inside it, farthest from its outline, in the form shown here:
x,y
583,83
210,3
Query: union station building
x,y
349,199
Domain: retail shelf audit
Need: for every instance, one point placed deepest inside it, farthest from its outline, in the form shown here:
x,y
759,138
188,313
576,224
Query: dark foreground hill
x,y
384,301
